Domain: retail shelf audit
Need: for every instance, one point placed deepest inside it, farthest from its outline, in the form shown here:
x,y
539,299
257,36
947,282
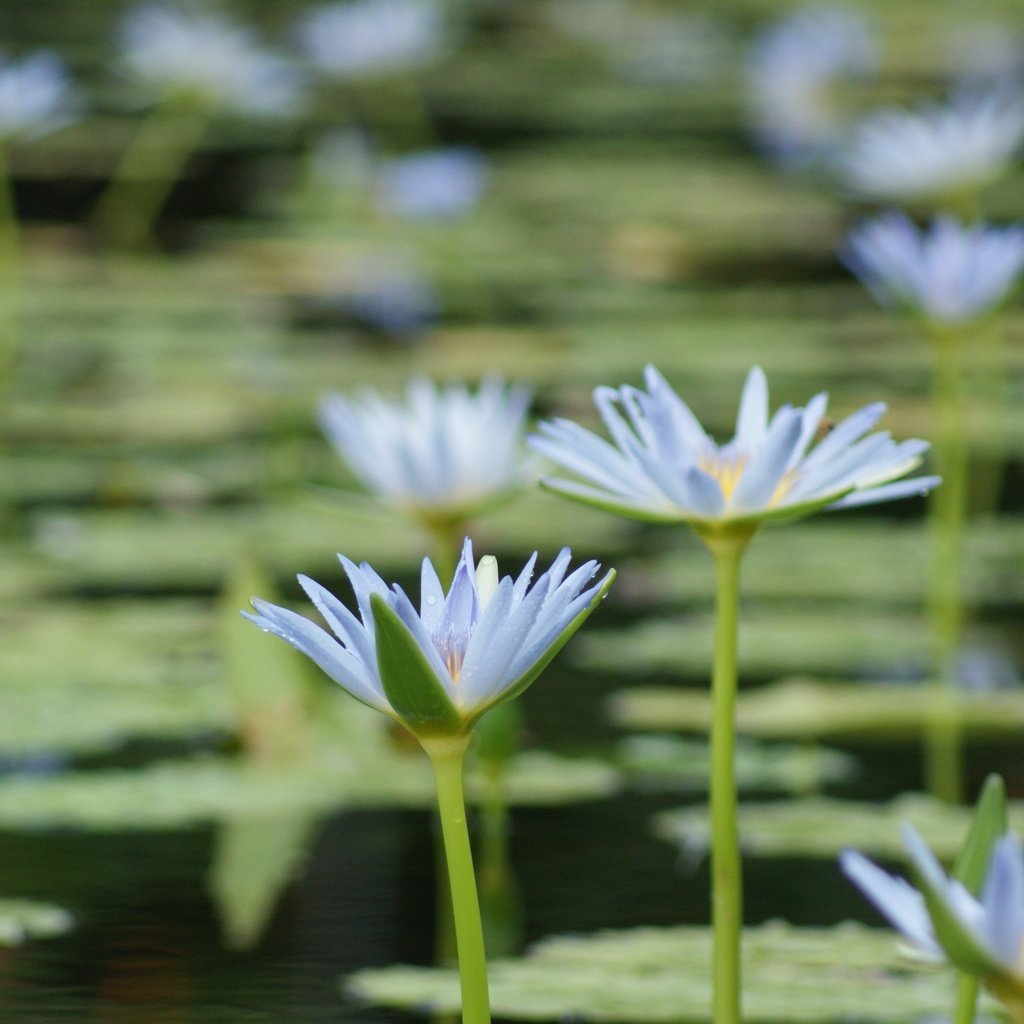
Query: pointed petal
x,y
752,419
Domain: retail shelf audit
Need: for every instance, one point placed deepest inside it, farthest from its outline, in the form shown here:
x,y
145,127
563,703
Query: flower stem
x,y
446,757
726,865
966,999
149,169
947,512
10,326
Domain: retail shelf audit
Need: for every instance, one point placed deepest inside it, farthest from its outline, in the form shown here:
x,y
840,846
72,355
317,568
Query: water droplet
x,y
431,600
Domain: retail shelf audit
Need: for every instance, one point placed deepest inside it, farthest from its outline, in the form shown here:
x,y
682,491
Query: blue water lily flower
x,y
365,38
437,670
442,452
942,920
182,50
36,96
436,184
663,467
794,70
936,152
950,274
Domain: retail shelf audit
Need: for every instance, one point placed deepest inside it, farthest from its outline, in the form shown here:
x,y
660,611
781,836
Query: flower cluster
x,y
664,467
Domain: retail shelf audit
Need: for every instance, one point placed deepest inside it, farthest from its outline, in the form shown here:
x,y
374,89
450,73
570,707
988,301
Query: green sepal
x,y
410,683
516,688
988,824
960,945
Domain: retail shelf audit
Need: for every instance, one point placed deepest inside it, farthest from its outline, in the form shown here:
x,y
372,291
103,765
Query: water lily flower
x,y
373,37
443,453
794,71
36,96
943,921
936,153
436,184
663,467
950,274
437,670
180,50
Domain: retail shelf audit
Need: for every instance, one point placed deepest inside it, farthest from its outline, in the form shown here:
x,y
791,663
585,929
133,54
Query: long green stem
x,y
446,757
966,999
948,510
10,323
726,864
149,169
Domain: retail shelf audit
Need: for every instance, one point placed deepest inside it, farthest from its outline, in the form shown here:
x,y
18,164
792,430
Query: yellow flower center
x,y
727,470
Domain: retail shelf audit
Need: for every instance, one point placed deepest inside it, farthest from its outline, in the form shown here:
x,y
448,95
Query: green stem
x,y
947,513
447,535
149,169
446,757
10,324
966,999
726,864
989,390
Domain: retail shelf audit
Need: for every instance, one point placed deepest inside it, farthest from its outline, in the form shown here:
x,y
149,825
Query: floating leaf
x,y
656,975
821,827
672,762
806,709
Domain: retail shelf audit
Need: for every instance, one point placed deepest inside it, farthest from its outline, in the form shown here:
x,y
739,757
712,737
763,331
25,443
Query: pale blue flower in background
x,y
482,643
990,929
36,96
950,274
388,295
441,183
442,452
936,152
663,467
795,70
181,49
365,38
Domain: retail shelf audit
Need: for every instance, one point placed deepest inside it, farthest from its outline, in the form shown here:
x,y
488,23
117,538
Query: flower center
x,y
726,467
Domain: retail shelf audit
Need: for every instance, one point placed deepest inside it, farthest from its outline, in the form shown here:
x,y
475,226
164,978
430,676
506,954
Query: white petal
x,y
752,419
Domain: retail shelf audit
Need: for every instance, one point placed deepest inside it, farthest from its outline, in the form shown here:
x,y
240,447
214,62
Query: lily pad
x,y
656,975
808,709
21,920
831,640
178,794
821,827
673,763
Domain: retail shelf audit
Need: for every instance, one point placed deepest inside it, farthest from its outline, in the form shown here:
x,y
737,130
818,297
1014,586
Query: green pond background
x,y
218,834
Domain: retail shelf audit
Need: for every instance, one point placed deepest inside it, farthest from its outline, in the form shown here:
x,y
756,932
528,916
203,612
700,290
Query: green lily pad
x,y
656,975
22,920
671,762
830,640
807,709
177,794
821,827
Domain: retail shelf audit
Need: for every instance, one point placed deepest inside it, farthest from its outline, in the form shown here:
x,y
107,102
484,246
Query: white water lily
x,y
184,50
437,670
794,71
663,467
941,919
442,452
36,96
364,38
937,152
950,274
